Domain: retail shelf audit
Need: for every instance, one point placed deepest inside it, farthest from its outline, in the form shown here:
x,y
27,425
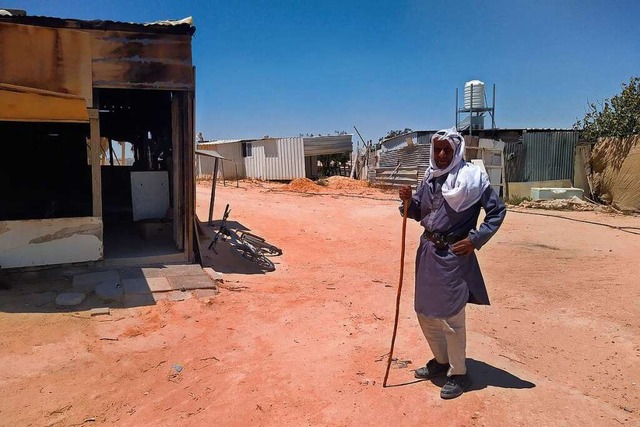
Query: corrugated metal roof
x,y
412,138
183,26
221,141
209,153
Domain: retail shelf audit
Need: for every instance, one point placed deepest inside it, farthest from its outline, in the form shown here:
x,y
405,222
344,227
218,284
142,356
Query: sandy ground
x,y
305,344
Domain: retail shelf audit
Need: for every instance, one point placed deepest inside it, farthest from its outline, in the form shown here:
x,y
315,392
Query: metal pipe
x,y
493,108
471,112
456,108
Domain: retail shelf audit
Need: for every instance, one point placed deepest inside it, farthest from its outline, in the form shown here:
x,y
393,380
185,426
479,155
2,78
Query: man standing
x,y
447,204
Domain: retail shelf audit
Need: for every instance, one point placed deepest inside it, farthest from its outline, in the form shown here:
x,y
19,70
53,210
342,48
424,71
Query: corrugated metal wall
x,y
276,159
416,157
541,156
322,145
232,166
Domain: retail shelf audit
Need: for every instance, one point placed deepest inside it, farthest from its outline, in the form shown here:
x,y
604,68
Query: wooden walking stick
x,y
395,324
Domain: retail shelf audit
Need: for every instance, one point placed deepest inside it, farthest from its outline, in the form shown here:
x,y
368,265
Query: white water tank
x,y
475,87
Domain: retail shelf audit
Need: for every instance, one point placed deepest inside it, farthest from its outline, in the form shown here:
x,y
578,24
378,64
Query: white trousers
x,y
447,339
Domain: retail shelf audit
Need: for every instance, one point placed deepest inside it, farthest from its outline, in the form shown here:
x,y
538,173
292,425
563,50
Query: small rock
x,y
214,275
70,299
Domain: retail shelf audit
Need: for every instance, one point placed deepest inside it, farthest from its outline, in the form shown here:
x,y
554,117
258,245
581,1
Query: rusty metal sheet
x,y
22,104
140,60
53,59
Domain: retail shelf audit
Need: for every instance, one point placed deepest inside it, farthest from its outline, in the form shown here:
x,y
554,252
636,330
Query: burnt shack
x,y
97,137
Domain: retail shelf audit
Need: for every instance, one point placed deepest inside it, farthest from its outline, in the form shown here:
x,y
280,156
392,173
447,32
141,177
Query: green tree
x,y
618,116
393,133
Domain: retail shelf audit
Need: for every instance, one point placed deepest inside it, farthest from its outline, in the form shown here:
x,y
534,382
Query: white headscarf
x,y
466,182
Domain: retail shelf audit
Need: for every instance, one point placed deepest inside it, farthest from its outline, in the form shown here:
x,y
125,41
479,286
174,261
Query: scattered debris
x,y
400,363
89,420
109,339
178,368
61,410
381,358
368,381
375,316
235,288
572,204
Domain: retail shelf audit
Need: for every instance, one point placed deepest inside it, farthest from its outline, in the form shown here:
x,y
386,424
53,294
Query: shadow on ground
x,y
36,291
226,258
483,375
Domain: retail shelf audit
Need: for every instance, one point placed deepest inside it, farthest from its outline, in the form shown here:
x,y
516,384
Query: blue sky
x,y
281,68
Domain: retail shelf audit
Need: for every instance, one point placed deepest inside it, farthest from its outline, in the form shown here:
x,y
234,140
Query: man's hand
x,y
405,193
463,247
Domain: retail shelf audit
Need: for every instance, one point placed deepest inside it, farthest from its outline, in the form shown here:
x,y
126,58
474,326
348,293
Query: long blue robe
x,y
445,282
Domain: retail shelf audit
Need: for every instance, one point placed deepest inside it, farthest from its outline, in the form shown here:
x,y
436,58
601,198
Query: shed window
x,y
246,149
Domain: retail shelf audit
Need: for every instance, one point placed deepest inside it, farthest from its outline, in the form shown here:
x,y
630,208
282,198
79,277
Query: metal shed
x,y
278,159
70,90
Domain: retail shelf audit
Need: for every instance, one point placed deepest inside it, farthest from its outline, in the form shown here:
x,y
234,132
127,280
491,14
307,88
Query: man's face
x,y
443,153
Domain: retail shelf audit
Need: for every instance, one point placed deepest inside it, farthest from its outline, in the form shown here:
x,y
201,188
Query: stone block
x,y
89,281
137,300
178,295
191,282
41,299
109,292
213,275
144,286
70,299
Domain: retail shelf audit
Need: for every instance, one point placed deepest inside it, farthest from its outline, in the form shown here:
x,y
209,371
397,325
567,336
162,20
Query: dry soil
x,y
306,344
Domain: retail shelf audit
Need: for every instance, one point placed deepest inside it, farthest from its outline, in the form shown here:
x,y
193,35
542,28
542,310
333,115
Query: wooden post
x,y
213,189
110,152
176,176
123,155
505,184
95,146
189,180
